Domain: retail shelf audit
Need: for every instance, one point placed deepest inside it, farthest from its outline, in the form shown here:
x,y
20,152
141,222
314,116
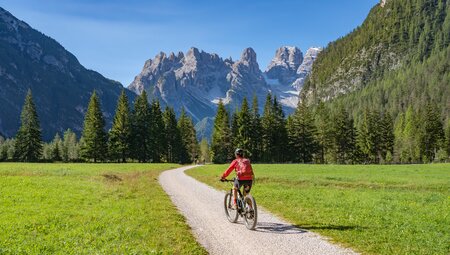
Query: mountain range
x,y
197,80
61,86
398,57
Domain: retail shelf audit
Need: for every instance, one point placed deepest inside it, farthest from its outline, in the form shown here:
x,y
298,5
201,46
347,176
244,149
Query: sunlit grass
x,y
89,209
401,209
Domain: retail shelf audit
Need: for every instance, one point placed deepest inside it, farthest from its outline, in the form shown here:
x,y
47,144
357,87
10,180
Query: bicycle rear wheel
x,y
251,212
232,214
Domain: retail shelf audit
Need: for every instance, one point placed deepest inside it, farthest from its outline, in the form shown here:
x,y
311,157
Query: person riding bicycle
x,y
244,173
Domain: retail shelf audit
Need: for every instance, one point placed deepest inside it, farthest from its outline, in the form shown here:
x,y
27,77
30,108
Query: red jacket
x,y
236,166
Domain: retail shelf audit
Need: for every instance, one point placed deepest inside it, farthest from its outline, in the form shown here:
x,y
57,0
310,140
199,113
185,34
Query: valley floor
x,y
374,209
89,209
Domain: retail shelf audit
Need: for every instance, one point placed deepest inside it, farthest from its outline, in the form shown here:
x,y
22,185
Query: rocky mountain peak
x,y
306,67
287,56
284,65
248,56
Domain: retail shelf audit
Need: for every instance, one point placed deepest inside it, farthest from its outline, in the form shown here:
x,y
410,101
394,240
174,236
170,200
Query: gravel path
x,y
203,208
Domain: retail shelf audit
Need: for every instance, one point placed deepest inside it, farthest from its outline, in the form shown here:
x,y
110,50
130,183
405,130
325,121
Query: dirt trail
x,y
203,208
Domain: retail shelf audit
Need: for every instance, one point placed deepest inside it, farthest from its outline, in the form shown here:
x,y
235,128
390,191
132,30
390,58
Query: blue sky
x,y
115,37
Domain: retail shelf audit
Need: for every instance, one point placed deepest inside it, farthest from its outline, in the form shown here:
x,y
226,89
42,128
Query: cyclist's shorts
x,y
246,183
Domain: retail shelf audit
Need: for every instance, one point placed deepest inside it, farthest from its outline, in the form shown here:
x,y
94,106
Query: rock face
x,y
285,64
306,67
197,80
61,86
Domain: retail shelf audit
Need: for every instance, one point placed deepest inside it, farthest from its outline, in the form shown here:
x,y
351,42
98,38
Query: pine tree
x,y
387,138
447,135
174,144
120,134
204,151
94,145
411,135
3,149
189,138
235,128
157,132
221,144
56,148
28,142
70,148
141,122
399,140
281,136
256,132
324,134
244,127
433,133
369,136
344,137
301,133
268,131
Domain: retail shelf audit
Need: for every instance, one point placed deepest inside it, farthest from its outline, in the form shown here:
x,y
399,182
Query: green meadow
x,y
89,209
373,209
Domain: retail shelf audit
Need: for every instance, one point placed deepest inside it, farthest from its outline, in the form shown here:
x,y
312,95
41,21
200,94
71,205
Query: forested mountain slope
x,y
398,56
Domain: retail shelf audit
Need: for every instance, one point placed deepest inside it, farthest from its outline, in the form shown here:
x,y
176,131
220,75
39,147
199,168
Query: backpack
x,y
245,168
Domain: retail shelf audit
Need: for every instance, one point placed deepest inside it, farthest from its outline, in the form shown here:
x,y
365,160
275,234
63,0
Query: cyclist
x,y
244,173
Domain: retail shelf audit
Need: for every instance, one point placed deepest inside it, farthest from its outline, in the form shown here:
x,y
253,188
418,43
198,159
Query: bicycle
x,y
245,207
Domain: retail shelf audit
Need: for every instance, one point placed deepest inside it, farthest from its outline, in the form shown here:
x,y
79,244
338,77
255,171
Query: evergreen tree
x,y
256,132
344,137
301,133
141,122
3,152
447,135
174,144
204,151
432,133
324,134
157,132
94,145
70,148
189,138
281,136
3,149
235,128
399,143
369,136
120,133
56,148
411,135
268,131
221,143
387,138
244,127
28,142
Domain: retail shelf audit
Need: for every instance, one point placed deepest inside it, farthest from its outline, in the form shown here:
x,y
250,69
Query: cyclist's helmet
x,y
239,152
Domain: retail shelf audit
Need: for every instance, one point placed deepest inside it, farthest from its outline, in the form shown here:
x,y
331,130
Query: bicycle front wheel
x,y
251,212
230,212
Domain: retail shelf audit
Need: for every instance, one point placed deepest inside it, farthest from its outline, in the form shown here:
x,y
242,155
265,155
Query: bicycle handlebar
x,y
226,180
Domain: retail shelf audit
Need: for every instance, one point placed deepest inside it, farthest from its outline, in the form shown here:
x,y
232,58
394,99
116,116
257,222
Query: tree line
x,y
328,133
145,133
323,133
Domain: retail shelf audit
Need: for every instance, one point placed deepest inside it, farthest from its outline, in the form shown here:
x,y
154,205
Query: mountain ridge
x,y
197,80
61,86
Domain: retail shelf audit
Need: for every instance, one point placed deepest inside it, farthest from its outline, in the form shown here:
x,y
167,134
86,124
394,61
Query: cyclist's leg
x,y
235,188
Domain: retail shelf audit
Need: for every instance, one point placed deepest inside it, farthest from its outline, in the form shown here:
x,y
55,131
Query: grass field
x,y
89,209
372,209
